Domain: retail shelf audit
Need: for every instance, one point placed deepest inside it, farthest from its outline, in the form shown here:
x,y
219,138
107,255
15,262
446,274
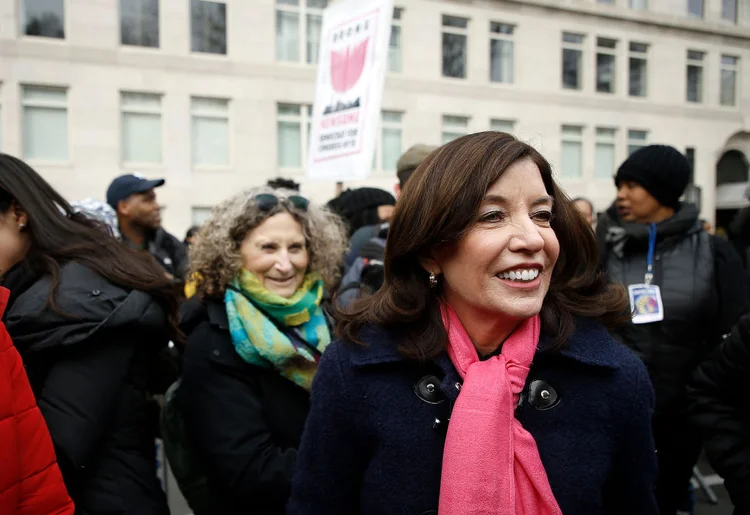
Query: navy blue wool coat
x,y
373,441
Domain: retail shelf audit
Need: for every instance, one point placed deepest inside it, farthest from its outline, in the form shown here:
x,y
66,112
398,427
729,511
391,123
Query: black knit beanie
x,y
662,171
352,201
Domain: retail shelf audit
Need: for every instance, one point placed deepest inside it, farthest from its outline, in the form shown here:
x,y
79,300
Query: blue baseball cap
x,y
126,185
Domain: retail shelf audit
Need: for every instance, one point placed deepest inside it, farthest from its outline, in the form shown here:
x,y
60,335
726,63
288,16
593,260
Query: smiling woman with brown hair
x,y
481,378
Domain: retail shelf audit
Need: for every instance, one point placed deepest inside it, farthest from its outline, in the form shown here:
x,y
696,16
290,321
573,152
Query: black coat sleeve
x,y
331,464
734,298
721,410
223,409
79,400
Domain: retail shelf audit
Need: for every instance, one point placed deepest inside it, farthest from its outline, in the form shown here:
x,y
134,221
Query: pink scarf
x,y
491,464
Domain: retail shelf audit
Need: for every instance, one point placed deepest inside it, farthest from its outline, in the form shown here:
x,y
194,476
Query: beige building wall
x,y
95,68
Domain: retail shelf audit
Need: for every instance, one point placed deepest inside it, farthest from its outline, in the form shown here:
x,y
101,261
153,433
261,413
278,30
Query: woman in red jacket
x,y
30,481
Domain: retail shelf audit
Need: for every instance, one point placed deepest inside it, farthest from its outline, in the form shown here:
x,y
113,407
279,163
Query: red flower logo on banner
x,y
347,66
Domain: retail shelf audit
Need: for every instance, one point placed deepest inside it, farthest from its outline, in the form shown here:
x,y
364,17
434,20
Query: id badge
x,y
645,303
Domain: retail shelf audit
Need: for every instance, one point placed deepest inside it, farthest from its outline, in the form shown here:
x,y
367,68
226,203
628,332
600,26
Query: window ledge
x,y
140,48
210,55
45,40
143,166
213,169
296,64
506,85
34,162
291,172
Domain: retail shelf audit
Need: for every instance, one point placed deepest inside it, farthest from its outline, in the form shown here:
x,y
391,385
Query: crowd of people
x,y
476,343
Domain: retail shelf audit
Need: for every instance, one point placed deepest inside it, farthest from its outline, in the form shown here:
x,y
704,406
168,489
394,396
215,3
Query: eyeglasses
x,y
268,201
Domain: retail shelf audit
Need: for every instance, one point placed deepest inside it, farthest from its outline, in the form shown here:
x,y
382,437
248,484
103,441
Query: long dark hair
x,y
439,206
58,235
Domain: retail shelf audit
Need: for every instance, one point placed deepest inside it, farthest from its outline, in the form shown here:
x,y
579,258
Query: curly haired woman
x,y
256,331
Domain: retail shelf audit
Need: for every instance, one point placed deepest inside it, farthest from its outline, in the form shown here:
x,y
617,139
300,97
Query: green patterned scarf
x,y
259,341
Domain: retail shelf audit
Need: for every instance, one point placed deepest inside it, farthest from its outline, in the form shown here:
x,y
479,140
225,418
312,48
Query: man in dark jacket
x,y
139,218
684,295
721,411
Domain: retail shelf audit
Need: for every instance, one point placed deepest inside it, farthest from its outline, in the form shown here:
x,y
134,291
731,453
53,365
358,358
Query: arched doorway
x,y
733,180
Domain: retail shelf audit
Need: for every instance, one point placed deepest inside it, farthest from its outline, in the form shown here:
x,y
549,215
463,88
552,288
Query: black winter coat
x,y
168,251
703,298
722,412
245,423
90,366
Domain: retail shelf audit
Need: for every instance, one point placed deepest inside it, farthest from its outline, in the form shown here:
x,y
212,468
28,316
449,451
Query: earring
x,y
21,227
433,280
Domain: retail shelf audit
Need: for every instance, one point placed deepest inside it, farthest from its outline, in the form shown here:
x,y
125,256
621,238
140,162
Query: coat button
x,y
427,390
216,353
96,293
541,395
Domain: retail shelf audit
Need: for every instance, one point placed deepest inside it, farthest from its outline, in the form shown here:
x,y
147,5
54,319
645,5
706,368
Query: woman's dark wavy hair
x,y
438,206
59,235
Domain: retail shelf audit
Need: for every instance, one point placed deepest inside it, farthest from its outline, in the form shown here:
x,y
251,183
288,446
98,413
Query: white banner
x,y
351,71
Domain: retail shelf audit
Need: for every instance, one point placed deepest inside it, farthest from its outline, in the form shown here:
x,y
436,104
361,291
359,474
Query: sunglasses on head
x,y
268,201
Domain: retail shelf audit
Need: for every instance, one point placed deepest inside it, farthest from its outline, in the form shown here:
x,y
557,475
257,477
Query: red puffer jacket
x,y
30,481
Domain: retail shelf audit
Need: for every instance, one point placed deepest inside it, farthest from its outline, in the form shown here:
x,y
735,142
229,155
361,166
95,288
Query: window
x,y
604,159
141,127
729,67
690,156
606,50
293,134
572,55
729,10
45,123
208,27
501,52
695,8
45,18
508,126
636,139
454,127
695,76
390,141
638,70
394,47
610,2
210,119
139,23
571,159
638,5
295,38
455,34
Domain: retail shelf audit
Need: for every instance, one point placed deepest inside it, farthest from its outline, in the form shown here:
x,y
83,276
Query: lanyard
x,y
651,250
